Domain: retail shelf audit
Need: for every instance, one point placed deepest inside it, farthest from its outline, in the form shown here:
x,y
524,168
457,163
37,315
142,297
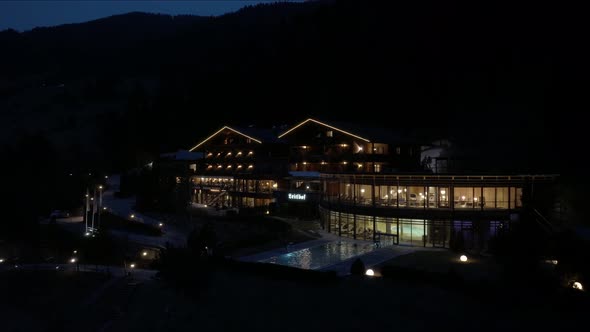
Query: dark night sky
x,y
25,15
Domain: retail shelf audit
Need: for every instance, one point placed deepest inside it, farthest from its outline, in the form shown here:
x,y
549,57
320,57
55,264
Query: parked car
x,y
59,214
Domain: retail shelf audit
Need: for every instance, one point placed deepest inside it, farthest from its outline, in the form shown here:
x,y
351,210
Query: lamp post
x,y
86,208
99,204
93,208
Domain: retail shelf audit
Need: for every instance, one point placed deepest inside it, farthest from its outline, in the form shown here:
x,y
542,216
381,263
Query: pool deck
x,y
370,259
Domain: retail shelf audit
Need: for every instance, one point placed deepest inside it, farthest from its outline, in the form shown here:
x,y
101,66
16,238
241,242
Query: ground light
x,y
132,265
577,285
1,260
132,216
370,272
160,224
73,260
144,253
463,258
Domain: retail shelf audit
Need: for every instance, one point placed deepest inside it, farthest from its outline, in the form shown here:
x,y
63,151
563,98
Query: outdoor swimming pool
x,y
320,256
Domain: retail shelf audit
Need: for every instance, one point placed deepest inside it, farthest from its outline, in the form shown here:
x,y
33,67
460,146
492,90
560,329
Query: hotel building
x,y
363,183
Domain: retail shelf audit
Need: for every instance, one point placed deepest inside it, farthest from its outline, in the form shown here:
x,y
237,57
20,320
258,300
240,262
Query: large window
x,y
416,196
463,198
502,200
364,194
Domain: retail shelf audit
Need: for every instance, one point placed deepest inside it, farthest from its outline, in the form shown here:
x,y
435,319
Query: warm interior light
x,y
250,166
362,190
274,185
443,192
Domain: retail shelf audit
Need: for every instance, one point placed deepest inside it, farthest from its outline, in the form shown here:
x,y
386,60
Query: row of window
x,y
428,196
229,154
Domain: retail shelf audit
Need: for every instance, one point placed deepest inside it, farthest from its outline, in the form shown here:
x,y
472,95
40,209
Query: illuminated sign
x,y
296,197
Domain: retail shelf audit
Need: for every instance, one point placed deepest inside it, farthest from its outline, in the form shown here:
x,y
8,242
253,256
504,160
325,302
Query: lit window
x,y
329,133
398,150
377,168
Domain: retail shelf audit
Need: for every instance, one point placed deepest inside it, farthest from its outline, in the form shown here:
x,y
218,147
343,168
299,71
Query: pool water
x,y
320,256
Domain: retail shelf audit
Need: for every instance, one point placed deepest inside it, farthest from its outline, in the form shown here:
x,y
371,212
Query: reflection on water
x,y
320,256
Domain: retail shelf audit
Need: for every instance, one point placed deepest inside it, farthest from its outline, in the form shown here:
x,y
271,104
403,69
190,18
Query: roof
x,y
365,132
258,135
264,134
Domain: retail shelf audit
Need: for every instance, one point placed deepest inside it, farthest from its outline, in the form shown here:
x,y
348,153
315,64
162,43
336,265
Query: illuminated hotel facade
x,y
366,184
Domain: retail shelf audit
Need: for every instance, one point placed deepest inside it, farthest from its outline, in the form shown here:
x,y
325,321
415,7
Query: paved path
x,y
124,208
115,271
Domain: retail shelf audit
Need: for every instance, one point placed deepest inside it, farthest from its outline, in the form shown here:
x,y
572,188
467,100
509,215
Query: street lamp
x,y
99,204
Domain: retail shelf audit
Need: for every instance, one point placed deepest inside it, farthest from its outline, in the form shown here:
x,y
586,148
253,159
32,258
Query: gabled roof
x,y
222,129
325,125
264,134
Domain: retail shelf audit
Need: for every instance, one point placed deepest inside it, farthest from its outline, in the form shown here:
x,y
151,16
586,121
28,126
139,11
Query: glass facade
x,y
415,232
418,210
425,196
229,192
